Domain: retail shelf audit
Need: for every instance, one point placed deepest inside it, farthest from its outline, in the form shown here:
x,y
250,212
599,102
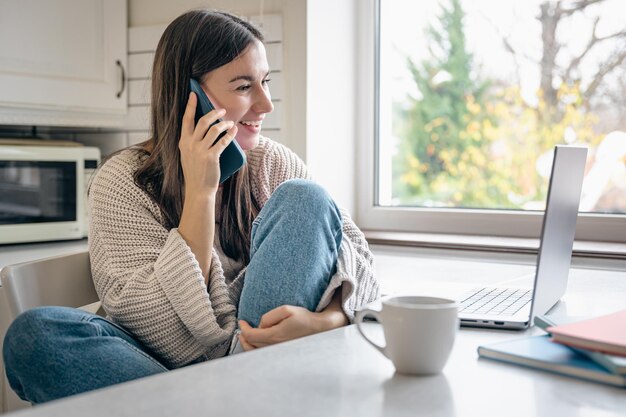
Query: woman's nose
x,y
264,102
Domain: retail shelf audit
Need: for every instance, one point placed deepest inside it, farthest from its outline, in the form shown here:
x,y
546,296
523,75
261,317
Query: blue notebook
x,y
539,352
615,364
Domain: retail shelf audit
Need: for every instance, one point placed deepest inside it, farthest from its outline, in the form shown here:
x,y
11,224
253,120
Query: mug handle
x,y
359,319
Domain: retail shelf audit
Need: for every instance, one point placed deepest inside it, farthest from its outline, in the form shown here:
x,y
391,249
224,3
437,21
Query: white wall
x,y
331,100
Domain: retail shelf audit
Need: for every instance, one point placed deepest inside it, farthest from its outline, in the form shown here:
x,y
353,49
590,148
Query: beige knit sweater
x,y
150,282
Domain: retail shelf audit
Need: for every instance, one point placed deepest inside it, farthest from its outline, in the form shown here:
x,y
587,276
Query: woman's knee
x,y
25,345
49,350
305,195
28,334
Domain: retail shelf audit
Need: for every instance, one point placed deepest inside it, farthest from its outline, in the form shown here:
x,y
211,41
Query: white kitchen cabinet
x,y
63,62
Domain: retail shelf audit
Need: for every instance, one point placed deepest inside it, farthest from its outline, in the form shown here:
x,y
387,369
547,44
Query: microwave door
x,y
18,201
37,192
57,191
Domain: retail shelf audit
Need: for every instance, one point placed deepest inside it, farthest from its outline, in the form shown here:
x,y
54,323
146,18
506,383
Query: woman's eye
x,y
243,88
267,80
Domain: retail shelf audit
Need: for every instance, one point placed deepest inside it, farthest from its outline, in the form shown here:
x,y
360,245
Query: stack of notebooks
x,y
593,349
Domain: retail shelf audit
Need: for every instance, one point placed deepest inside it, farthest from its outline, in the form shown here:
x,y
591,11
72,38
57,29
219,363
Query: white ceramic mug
x,y
419,332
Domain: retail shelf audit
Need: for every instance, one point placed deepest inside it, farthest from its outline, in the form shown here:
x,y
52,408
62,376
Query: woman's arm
x,y
290,322
200,164
147,277
197,226
333,315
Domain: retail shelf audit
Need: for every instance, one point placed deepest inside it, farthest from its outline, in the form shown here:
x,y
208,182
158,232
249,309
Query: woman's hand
x,y
199,157
290,322
279,325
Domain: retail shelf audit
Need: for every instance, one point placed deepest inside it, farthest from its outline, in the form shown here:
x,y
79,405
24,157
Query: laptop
x,y
514,308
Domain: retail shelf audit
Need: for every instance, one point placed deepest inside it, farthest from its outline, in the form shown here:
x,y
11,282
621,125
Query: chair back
x,y
60,281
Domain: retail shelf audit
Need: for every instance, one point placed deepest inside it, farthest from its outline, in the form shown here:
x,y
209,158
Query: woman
x,y
177,258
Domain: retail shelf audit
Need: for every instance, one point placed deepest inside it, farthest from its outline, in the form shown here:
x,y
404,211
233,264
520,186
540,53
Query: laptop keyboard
x,y
498,301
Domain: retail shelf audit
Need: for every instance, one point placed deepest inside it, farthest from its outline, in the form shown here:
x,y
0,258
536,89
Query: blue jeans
x,y
54,352
293,254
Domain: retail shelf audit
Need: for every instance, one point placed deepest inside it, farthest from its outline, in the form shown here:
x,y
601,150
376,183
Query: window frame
x,y
458,221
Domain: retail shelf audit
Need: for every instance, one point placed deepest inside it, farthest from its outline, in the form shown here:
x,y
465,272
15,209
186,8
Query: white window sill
x,y
605,250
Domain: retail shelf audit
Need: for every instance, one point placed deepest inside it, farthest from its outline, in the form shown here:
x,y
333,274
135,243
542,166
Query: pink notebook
x,y
603,334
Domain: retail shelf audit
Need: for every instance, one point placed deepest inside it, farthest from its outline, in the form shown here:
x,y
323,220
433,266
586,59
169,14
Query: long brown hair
x,y
194,44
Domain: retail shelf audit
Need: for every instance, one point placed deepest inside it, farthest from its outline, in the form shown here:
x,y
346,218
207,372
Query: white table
x,y
338,374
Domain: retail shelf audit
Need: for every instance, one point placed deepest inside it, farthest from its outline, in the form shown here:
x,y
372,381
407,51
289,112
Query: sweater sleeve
x,y
147,277
355,263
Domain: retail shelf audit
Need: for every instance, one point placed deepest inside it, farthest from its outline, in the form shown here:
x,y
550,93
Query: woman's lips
x,y
252,126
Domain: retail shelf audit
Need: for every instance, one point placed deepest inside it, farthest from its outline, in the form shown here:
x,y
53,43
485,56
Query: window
x,y
470,98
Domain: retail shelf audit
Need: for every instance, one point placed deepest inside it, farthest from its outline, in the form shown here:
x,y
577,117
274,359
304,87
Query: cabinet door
x,y
63,56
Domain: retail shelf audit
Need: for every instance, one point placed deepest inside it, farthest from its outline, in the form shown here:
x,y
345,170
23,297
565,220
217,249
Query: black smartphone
x,y
233,157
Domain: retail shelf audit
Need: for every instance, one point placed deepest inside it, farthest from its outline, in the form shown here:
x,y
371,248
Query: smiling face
x,y
240,87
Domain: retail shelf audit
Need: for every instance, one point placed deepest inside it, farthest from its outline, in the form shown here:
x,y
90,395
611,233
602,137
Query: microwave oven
x,y
43,190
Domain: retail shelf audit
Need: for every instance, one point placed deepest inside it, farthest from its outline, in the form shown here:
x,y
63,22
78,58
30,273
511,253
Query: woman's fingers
x,y
216,130
208,126
220,144
189,116
275,316
204,125
199,159
256,337
244,343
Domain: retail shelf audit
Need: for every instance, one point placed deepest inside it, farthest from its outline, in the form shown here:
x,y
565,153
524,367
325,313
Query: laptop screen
x,y
559,227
